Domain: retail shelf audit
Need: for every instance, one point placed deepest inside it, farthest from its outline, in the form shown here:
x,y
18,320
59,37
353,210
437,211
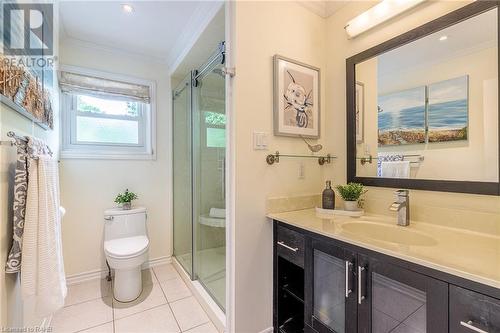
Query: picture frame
x,y
360,112
297,95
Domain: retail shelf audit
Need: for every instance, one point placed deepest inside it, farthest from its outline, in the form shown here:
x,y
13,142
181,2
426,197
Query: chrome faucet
x,y
402,207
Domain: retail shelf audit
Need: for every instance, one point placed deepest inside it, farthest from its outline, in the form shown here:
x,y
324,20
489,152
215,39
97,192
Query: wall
x,y
460,210
88,186
263,29
13,312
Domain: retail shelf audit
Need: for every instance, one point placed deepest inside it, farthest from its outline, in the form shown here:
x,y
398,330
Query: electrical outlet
x,y
259,141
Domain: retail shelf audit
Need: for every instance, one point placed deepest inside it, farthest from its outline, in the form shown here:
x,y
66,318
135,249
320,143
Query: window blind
x,y
74,83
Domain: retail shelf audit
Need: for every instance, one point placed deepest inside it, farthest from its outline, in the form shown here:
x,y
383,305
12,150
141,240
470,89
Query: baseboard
x,y
101,274
268,330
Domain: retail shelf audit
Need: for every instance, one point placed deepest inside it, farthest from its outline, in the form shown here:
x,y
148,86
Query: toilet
x,y
126,247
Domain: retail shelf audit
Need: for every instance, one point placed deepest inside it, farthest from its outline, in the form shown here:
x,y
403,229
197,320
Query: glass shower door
x,y
182,180
209,156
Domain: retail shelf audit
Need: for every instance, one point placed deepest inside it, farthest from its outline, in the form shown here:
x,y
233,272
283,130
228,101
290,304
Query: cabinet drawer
x,y
290,245
473,312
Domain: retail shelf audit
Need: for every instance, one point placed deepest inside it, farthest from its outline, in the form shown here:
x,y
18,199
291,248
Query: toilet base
x,y
127,284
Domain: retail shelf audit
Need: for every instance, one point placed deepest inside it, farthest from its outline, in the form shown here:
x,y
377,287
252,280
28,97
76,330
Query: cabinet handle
x,y
470,325
348,290
361,295
294,249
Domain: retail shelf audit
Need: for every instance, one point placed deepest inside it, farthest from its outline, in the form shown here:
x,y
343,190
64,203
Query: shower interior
x,y
199,155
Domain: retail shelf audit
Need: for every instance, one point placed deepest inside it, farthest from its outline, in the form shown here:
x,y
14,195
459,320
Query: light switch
x,y
259,141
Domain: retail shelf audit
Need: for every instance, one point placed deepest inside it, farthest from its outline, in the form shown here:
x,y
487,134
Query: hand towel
x,y
219,213
395,169
42,269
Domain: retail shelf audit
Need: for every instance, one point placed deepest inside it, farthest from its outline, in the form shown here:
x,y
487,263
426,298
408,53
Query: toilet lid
x,y
126,247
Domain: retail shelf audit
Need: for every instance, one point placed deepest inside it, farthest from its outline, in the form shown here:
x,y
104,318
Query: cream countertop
x,y
470,255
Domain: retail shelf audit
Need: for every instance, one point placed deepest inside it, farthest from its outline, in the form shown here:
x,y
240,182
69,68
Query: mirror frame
x,y
457,16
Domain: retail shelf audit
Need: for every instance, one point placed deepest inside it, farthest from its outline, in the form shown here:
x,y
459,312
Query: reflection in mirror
x,y
429,109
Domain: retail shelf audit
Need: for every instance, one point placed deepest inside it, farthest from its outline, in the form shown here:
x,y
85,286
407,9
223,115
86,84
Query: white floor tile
x,y
148,277
88,290
205,328
175,289
82,316
159,319
165,272
106,328
150,297
189,313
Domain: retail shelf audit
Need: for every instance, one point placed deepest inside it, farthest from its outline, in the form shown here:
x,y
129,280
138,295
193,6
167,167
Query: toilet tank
x,y
119,223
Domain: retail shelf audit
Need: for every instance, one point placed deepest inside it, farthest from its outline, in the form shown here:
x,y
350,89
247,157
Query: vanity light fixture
x,y
383,11
127,8
443,38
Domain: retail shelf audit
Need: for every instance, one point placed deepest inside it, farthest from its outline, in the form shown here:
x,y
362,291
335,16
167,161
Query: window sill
x,y
106,156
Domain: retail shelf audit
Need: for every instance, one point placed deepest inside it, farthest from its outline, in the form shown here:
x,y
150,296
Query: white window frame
x,y
145,150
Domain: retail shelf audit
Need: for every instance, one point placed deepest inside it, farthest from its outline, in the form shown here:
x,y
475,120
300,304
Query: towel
x,y
219,213
42,269
387,158
395,169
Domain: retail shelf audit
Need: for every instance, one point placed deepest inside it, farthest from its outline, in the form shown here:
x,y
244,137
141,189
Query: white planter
x,y
351,205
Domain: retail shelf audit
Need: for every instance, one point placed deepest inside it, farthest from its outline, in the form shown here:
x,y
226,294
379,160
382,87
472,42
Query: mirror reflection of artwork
x,y
401,117
448,106
296,98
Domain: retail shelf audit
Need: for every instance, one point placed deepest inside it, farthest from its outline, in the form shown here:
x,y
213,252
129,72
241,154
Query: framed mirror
x,y
422,108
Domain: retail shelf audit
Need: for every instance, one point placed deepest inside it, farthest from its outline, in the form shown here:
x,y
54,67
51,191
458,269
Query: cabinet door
x,y
330,288
394,299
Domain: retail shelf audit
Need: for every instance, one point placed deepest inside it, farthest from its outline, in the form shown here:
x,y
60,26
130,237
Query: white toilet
x,y
126,247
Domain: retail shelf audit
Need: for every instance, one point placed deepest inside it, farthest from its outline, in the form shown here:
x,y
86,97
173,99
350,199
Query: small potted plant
x,y
125,199
351,193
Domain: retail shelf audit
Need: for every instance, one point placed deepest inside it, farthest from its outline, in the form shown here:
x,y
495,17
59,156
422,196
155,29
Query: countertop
x,y
470,255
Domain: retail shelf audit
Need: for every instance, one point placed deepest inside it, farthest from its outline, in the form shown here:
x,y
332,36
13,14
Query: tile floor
x,y
166,305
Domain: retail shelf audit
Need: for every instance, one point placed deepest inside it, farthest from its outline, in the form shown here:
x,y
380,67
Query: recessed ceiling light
x,y
442,38
127,8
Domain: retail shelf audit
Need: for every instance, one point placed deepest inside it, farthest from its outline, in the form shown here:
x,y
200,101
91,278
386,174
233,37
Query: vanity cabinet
x,y
395,299
473,312
330,291
322,285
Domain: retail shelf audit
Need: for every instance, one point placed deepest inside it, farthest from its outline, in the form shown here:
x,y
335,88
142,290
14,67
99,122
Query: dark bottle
x,y
328,196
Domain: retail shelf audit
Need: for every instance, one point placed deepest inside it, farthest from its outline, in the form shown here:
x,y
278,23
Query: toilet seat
x,y
129,247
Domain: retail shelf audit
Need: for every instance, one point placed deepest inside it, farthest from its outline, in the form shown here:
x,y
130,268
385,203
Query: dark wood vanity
x,y
326,285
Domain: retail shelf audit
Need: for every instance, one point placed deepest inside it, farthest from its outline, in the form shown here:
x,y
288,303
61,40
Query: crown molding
x,y
70,41
198,22
322,8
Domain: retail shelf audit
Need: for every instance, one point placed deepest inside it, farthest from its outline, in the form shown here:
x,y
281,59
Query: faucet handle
x,y
402,193
395,207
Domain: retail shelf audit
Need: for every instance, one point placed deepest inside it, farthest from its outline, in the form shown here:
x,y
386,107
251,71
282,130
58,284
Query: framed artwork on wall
x,y
360,111
296,99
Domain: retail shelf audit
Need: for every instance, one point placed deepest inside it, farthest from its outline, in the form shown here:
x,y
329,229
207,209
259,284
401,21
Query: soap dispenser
x,y
328,196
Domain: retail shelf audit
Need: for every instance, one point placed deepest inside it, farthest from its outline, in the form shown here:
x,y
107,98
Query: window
x,y
102,122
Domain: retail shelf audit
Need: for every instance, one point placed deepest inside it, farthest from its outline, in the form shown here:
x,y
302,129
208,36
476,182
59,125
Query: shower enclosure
x,y
199,155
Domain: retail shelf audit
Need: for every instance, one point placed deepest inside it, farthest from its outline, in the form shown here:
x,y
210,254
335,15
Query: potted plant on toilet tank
x,y
351,193
125,199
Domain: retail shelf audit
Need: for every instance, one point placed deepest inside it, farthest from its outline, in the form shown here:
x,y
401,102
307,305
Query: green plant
x,y
351,191
125,197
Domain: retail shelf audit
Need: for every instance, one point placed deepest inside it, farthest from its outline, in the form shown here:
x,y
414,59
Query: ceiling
x,y
152,29
472,35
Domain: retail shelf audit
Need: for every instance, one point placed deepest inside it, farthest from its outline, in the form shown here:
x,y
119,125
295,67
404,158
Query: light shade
x,y
378,14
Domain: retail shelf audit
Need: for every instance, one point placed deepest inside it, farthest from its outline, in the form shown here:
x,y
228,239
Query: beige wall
x,y
263,29
13,312
88,187
451,209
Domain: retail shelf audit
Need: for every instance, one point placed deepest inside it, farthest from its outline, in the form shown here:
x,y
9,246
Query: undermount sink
x,y
389,233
